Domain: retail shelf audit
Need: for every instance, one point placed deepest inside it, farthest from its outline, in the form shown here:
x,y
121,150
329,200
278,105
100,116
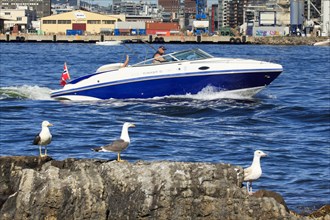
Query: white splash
x,y
212,93
25,92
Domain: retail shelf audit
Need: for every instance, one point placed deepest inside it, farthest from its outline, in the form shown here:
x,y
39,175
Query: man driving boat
x,y
158,55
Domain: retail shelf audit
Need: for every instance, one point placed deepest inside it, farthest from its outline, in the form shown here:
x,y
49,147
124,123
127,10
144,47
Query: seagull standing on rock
x,y
44,137
253,172
118,145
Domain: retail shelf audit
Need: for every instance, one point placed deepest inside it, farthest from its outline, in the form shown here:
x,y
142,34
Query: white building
x,y
19,19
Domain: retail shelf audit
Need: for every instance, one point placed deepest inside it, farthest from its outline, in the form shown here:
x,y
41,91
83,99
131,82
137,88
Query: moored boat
x,y
323,43
181,73
109,43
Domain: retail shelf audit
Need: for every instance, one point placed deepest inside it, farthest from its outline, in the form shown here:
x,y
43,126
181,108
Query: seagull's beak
x,y
50,125
264,155
132,125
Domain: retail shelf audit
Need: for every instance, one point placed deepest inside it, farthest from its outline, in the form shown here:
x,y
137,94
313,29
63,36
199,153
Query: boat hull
x,y
179,85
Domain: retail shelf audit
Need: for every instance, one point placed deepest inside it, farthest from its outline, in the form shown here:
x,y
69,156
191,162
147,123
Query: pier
x,y
127,39
269,40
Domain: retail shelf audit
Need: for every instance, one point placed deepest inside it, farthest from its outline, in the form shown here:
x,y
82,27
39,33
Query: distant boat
x,y
323,43
109,43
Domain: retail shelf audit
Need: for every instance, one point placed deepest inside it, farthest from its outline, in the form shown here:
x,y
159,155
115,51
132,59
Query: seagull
x,y
44,137
118,145
253,172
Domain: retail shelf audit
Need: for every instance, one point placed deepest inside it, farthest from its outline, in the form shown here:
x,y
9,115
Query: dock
x,y
126,39
268,40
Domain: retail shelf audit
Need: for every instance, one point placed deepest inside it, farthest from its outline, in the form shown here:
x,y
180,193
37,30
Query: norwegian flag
x,y
65,75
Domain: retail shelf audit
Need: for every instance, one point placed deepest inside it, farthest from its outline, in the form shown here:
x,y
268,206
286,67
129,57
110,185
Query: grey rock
x,y
34,188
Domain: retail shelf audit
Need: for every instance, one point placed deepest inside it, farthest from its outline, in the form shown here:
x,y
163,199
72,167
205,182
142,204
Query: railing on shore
x,y
128,39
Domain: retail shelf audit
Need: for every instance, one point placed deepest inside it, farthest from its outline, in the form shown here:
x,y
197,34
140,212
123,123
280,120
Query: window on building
x,y
64,21
19,19
93,22
7,13
108,22
49,21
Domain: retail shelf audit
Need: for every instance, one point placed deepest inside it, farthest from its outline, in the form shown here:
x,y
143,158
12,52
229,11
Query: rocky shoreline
x,y
279,40
43,188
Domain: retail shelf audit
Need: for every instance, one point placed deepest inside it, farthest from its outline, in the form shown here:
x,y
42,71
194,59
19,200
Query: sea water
x,y
289,120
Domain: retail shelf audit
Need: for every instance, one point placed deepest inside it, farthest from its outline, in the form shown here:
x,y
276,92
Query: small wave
x,y
25,92
213,93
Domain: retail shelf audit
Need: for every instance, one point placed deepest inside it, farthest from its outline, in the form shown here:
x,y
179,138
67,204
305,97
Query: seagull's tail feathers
x,y
97,149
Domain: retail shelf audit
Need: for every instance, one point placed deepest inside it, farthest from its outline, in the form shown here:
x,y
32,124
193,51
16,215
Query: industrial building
x,y
78,22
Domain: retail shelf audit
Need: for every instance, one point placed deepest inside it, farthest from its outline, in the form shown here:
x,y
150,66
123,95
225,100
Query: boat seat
x,y
108,67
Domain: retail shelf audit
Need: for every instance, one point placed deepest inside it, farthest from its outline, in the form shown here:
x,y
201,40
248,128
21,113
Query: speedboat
x,y
109,43
180,73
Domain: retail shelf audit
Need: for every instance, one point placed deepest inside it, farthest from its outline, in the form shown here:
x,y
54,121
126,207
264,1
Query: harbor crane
x,y
201,24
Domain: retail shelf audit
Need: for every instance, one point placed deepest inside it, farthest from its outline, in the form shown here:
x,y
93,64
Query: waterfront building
x,y
190,6
42,7
170,6
214,18
129,8
189,11
58,9
141,18
79,21
17,20
67,2
231,13
133,8
313,10
2,24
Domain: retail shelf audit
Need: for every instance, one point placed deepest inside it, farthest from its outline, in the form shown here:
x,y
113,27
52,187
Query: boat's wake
x,y
25,92
43,93
212,93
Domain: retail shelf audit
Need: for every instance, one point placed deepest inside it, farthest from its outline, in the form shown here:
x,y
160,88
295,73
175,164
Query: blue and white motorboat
x,y
181,73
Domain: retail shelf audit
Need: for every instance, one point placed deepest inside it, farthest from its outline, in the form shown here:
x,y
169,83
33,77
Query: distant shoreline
x,y
276,40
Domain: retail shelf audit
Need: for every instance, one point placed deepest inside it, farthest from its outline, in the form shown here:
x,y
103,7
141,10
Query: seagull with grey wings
x,y
118,145
254,171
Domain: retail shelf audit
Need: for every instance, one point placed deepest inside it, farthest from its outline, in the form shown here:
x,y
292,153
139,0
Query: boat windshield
x,y
195,54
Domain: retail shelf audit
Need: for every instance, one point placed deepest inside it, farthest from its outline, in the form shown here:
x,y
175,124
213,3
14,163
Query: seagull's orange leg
x,y
118,159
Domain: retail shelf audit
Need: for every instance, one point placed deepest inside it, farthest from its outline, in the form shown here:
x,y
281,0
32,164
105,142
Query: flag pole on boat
x,y
65,75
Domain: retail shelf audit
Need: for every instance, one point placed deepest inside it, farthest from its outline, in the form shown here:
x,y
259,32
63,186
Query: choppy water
x,y
289,120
